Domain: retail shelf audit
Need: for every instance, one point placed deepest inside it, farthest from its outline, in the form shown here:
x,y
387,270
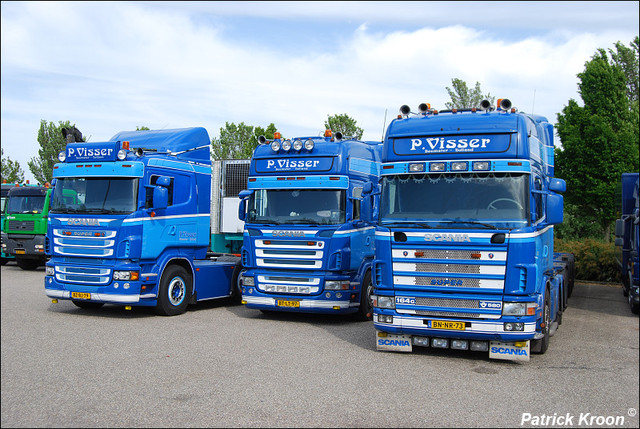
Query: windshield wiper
x,y
471,222
415,224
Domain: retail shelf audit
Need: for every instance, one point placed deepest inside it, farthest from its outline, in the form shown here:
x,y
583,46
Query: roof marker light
x,y
125,145
328,133
122,154
275,146
62,156
286,145
309,144
277,135
297,144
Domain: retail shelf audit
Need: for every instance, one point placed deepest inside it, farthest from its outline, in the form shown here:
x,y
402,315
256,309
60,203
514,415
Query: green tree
x,y
627,59
344,124
239,141
464,98
600,141
11,170
142,128
51,143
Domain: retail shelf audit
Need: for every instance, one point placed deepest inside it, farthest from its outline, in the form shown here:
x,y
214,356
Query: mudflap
x,y
393,343
509,351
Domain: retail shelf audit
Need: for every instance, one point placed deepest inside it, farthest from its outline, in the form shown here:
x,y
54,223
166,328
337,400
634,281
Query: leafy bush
x,y
595,260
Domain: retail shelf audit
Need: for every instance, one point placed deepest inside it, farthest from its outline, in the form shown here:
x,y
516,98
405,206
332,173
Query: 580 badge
x,y
405,300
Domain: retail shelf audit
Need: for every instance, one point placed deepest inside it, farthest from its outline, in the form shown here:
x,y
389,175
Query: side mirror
x,y
557,185
242,207
555,209
160,197
619,228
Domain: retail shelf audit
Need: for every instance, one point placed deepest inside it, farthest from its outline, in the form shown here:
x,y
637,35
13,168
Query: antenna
x,y
384,124
534,101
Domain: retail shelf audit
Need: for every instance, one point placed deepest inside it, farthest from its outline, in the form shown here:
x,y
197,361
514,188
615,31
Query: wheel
x,y
491,206
633,306
365,311
28,264
540,346
236,288
175,291
88,304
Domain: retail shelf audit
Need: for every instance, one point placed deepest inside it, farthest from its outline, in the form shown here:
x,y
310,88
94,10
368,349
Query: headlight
x,y
126,275
49,271
297,144
275,146
336,285
249,281
519,308
62,156
309,144
122,154
384,302
286,145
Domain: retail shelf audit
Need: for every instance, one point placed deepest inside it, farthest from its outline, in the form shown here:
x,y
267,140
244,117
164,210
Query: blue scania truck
x,y
628,239
464,243
129,224
308,239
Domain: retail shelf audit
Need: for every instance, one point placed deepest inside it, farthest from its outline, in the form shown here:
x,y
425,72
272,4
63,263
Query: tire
x,y
87,305
365,311
236,288
634,307
28,264
175,291
540,346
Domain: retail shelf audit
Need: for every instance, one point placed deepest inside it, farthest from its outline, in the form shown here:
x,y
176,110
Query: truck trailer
x,y
464,243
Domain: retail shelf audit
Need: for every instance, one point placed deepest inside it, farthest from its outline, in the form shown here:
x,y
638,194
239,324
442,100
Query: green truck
x,y
5,257
25,225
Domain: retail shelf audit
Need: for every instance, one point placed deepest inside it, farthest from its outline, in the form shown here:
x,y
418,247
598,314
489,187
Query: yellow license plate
x,y
445,324
20,252
287,303
80,295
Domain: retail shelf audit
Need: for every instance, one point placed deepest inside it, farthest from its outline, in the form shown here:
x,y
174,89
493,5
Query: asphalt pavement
x,y
220,365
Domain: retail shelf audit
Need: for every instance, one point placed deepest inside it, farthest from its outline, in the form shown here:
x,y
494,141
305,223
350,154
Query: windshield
x,y
95,195
25,204
297,206
489,200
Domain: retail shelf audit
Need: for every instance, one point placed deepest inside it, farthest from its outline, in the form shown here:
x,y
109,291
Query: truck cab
x,y
130,223
26,212
308,239
464,243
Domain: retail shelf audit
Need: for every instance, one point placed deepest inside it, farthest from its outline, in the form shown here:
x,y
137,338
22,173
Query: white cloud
x,y
109,67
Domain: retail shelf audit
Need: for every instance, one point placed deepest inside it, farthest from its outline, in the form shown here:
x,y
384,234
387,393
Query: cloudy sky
x,y
113,66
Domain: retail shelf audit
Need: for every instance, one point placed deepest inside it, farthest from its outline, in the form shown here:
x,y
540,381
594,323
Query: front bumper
x,y
305,304
28,247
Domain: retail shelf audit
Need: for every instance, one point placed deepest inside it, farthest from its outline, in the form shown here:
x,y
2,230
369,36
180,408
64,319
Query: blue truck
x,y
130,224
464,242
628,240
308,239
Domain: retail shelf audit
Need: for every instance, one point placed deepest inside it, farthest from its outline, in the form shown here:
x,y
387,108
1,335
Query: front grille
x,y
84,275
422,267
447,314
446,302
21,225
433,281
